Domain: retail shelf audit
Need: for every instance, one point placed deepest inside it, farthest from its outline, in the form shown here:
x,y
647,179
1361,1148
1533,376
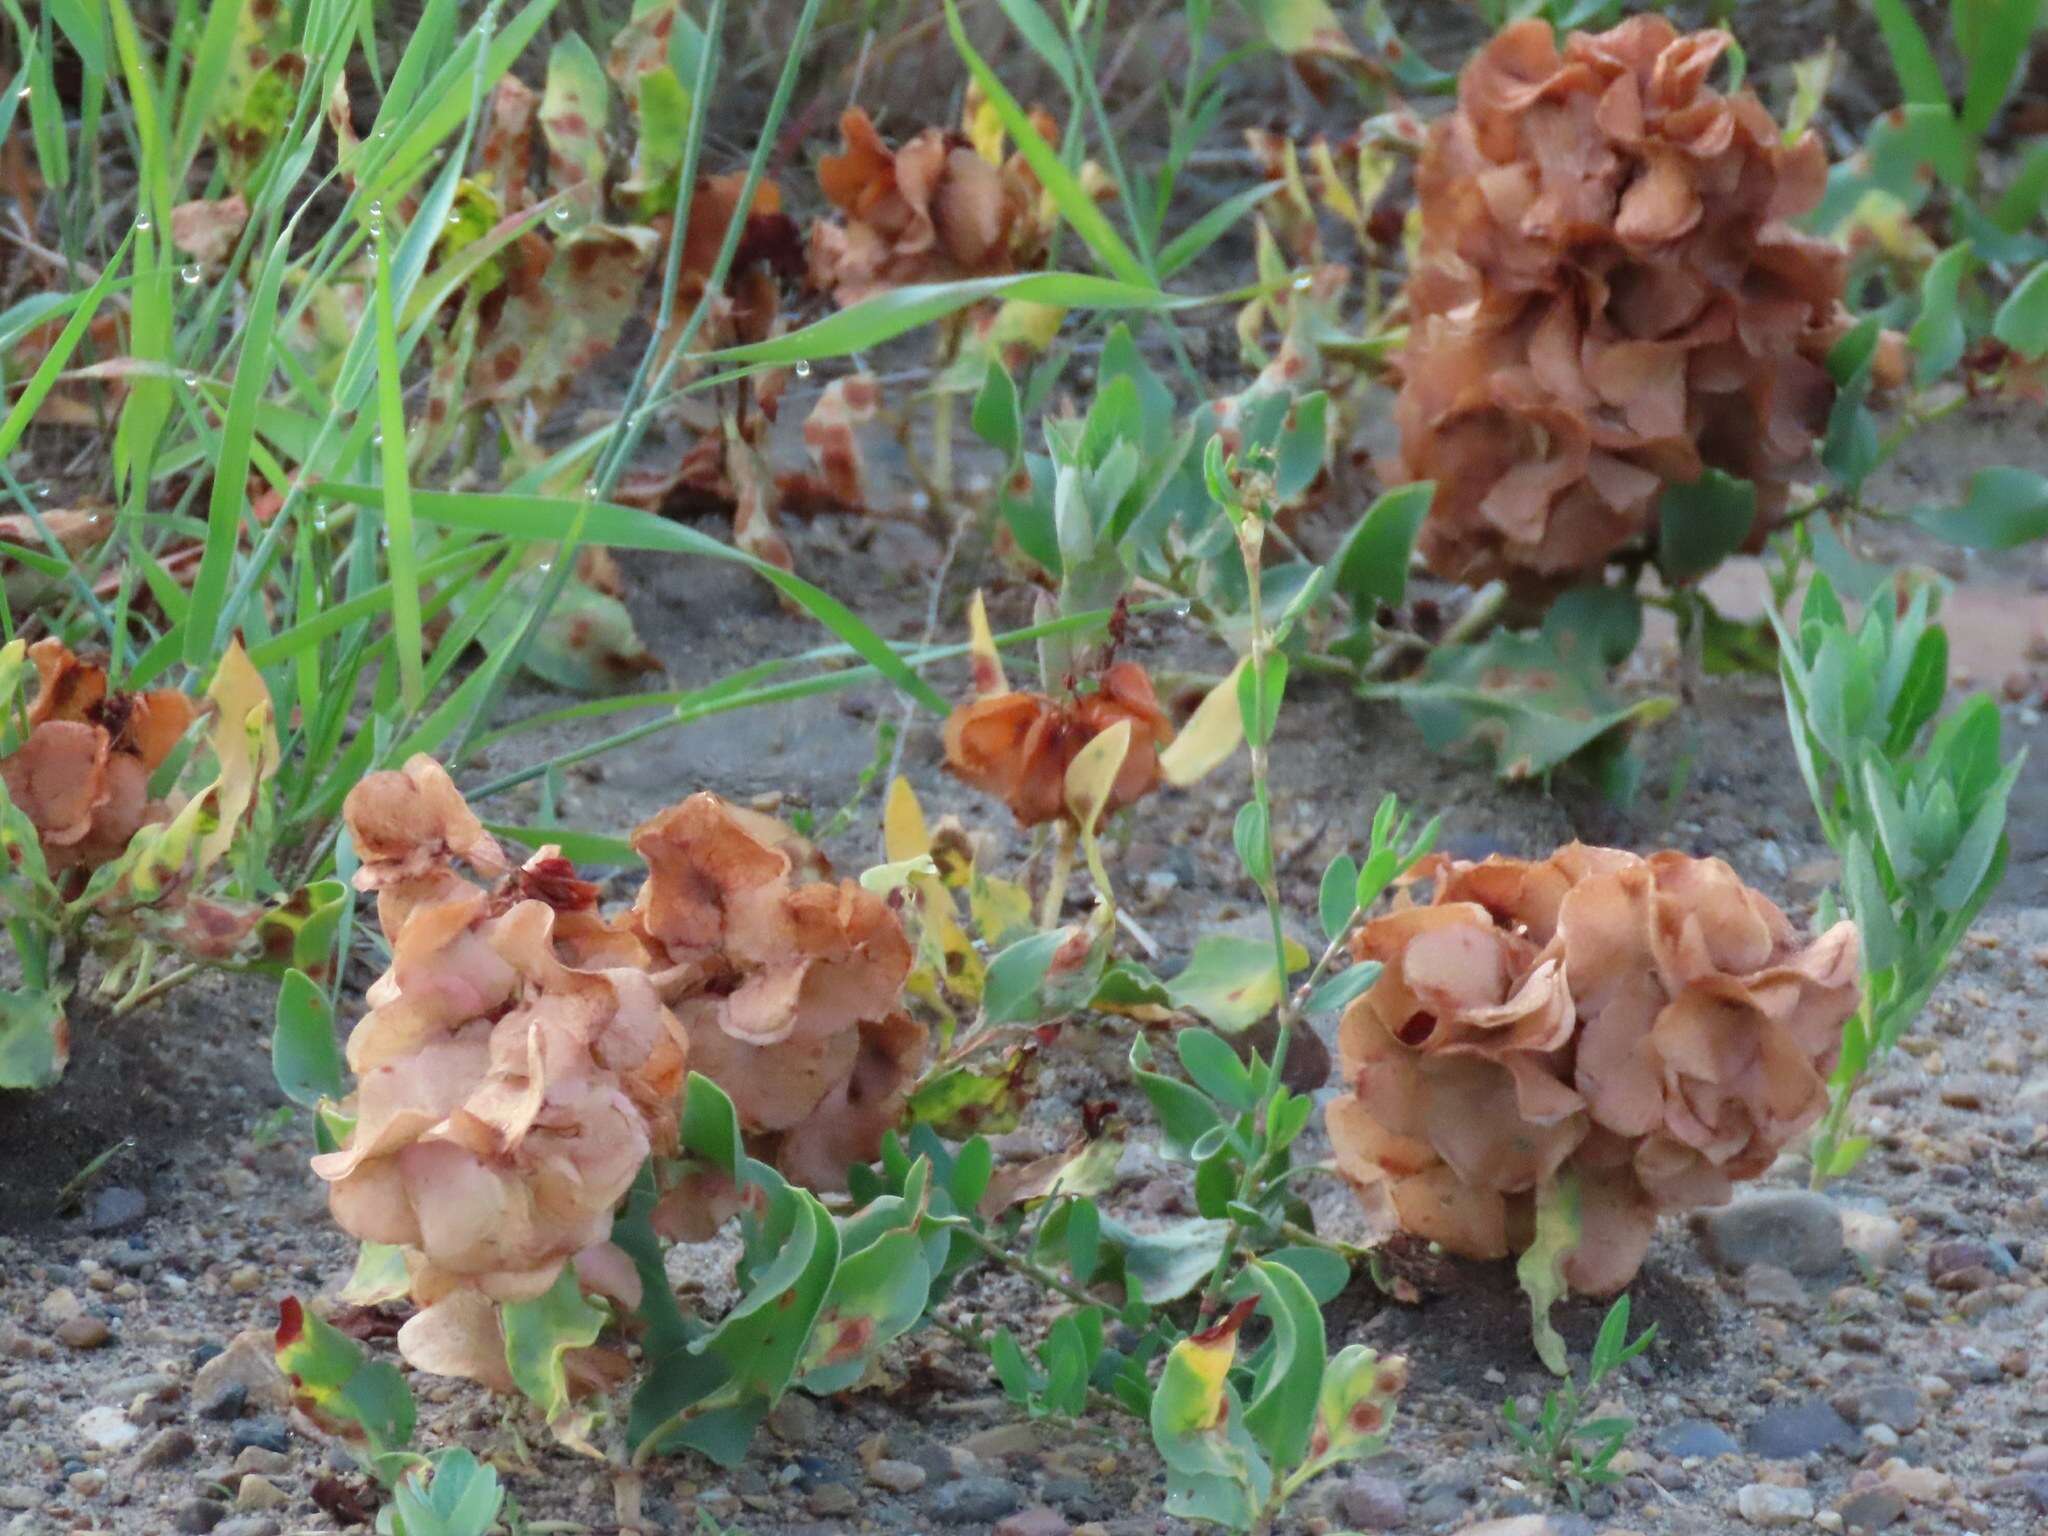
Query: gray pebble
x,y
1793,1229
976,1500
1799,1429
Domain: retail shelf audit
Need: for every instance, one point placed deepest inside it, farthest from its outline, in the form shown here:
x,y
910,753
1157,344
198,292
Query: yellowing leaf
x,y
1092,774
904,833
1190,1396
1541,1267
245,741
1211,735
984,126
985,665
1336,196
999,907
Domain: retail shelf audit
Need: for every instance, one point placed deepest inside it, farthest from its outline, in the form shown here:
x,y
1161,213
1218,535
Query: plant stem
x,y
1038,1274
1250,537
1056,881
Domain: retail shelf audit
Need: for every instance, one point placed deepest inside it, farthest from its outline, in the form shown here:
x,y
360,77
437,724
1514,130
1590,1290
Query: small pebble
x,y
897,1476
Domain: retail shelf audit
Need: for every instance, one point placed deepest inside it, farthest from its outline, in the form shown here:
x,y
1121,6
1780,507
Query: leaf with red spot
x,y
586,644
879,1292
834,432
339,1388
258,87
1214,1471
574,108
559,326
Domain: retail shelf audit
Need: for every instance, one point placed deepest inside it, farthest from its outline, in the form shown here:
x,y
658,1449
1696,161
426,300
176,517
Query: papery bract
x,y
1609,298
1018,745
1650,1026
788,984
81,775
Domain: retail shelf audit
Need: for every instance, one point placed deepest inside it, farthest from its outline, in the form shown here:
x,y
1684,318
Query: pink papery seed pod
x,y
1609,297
1651,1027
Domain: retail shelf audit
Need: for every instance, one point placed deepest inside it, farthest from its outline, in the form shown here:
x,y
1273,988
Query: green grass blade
x,y
44,379
405,576
889,314
1912,57
1211,227
549,519
1072,200
202,626
210,62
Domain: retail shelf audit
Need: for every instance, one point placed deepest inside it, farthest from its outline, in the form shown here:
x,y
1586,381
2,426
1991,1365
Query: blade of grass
x,y
405,576
1072,200
543,519
225,510
889,314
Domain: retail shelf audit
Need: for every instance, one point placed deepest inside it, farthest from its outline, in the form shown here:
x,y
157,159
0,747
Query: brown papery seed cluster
x,y
1018,745
933,210
1649,1026
523,1055
788,984
81,775
1609,298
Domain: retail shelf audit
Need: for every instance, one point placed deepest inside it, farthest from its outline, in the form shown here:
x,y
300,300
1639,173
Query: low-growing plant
x,y
1912,800
1563,1449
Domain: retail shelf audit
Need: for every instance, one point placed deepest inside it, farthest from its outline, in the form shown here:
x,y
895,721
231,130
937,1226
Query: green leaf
x,y
1282,1409
1011,994
1259,692
1249,835
1214,1470
1912,57
1216,1069
1702,523
34,1037
711,1395
1324,1273
998,414
337,1386
1231,980
304,1055
1335,992
876,1296
539,1333
2022,320
1185,1115
1372,565
463,1499
1084,1239
1355,1410
1993,37
1870,905
1517,699
586,644
1541,1266
1938,335
1336,899
379,1276
1166,1265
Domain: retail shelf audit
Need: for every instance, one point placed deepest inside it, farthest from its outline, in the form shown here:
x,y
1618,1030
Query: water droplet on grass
x,y
803,368
190,273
